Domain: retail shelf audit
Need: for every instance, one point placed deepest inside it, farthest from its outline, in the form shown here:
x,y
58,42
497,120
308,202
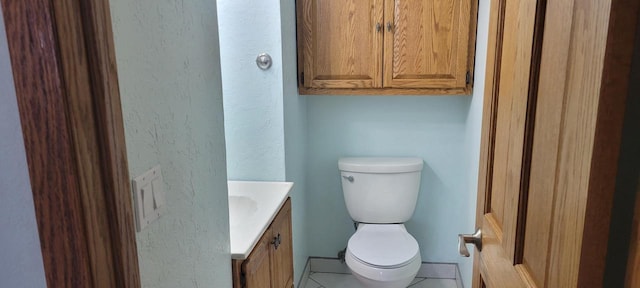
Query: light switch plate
x,y
148,190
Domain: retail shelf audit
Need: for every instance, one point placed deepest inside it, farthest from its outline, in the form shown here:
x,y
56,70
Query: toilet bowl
x,y
383,255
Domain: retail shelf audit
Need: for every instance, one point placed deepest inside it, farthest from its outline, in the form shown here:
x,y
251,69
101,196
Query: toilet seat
x,y
385,246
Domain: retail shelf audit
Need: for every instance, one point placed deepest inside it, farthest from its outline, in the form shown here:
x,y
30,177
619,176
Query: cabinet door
x,y
342,43
257,271
282,254
427,43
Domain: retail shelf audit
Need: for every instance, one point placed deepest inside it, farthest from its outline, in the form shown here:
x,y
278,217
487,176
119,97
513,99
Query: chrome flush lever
x,y
348,178
464,239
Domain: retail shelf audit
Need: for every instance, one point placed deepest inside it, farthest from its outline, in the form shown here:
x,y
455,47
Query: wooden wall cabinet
x,y
386,46
270,264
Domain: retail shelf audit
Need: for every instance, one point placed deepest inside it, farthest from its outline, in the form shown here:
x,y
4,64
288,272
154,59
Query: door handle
x,y
464,239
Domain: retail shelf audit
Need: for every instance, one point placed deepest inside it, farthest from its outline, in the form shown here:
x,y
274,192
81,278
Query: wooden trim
x,y
66,83
81,123
96,16
386,91
607,139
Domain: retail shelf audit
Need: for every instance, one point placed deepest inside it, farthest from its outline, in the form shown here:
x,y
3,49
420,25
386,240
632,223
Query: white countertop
x,y
252,207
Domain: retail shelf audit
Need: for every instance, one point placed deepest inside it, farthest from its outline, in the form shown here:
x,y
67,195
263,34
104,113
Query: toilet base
x,y
366,282
373,277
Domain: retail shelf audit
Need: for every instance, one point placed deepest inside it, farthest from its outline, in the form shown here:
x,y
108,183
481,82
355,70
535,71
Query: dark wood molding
x,y
64,69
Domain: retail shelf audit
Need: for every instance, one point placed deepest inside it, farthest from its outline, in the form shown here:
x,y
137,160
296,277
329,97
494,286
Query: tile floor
x,y
334,280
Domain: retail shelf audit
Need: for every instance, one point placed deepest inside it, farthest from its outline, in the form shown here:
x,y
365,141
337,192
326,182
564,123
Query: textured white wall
x,y
20,257
170,83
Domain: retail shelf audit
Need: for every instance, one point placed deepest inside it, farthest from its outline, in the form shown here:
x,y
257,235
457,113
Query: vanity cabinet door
x,y
342,43
282,253
427,43
270,264
256,269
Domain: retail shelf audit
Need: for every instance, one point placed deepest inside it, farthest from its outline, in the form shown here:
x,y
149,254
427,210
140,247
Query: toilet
x,y
380,195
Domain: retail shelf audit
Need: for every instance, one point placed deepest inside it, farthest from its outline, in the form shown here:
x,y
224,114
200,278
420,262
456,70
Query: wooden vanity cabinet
x,y
386,46
270,263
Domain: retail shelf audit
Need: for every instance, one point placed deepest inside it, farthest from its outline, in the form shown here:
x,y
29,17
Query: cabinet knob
x,y
389,27
276,241
378,27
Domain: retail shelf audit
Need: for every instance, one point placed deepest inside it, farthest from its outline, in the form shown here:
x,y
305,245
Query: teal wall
x,y
169,72
473,129
317,130
432,128
259,106
253,102
295,126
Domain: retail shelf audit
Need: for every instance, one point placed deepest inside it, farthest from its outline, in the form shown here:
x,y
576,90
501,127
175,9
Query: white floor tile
x,y
435,283
312,284
333,280
418,279
330,280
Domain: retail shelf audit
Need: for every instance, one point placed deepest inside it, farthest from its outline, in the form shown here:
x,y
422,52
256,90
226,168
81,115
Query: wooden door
x,y
427,43
342,43
557,81
282,255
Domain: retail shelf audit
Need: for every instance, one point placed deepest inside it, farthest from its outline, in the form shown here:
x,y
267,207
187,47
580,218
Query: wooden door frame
x,y
608,131
65,74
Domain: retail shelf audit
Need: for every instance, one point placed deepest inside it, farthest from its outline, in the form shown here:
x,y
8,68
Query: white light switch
x,y
148,190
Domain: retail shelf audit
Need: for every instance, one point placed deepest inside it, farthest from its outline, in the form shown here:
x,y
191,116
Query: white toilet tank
x,y
380,190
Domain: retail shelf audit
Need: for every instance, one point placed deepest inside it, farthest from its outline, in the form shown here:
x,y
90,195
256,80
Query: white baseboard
x,y
427,269
328,265
305,276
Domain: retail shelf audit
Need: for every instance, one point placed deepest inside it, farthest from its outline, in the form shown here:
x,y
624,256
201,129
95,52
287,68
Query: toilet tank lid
x,y
380,164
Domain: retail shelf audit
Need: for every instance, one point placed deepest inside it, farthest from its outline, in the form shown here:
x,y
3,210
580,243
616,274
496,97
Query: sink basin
x,y
252,207
244,208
